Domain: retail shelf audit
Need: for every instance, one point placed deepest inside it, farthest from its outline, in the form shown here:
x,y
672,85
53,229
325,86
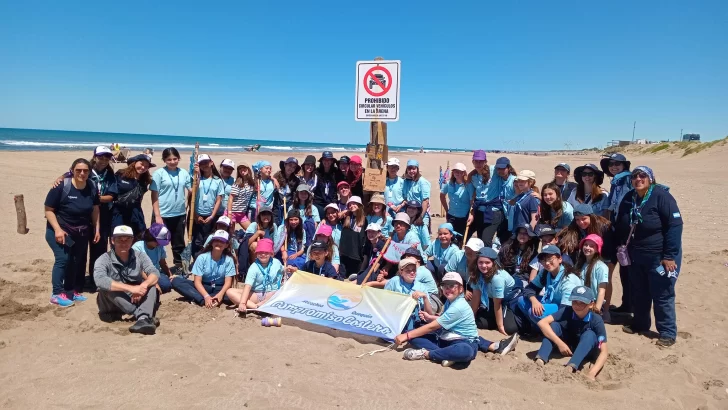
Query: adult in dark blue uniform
x,y
132,183
649,222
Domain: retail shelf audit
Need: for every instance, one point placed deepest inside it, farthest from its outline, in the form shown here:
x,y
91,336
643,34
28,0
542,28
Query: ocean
x,y
16,139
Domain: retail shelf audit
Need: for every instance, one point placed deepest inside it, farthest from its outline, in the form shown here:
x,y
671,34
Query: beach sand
x,y
61,358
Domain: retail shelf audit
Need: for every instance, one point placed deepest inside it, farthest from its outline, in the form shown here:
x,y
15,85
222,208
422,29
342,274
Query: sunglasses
x,y
614,163
82,171
587,174
640,175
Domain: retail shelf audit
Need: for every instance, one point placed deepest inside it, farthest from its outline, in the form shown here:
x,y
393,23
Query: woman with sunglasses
x,y
170,186
650,224
589,189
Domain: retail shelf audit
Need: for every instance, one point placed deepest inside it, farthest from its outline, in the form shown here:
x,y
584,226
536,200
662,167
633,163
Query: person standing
x,y
170,186
501,189
650,223
132,183
207,202
102,175
459,192
589,189
393,188
482,212
562,171
416,188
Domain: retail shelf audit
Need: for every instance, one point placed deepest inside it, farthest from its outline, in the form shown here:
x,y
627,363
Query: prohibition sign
x,y
370,74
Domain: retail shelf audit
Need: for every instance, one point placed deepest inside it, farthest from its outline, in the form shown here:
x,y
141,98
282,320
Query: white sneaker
x,y
447,363
414,354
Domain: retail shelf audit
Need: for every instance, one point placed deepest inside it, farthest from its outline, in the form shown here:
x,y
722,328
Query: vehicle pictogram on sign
x,y
372,79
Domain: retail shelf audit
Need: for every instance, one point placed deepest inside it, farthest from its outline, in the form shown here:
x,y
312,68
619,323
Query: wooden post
x,y
20,211
195,182
377,155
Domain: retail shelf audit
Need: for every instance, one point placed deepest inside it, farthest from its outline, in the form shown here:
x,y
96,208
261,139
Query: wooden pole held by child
x,y
375,265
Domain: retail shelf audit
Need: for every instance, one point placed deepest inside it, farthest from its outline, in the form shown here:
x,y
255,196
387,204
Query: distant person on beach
x,y
393,189
241,195
170,188
126,279
132,183
72,214
650,226
208,200
562,171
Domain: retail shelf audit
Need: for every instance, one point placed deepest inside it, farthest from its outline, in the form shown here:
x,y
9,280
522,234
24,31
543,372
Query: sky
x,y
494,75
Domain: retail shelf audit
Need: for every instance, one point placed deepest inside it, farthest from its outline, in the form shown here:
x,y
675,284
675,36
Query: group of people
x,y
537,260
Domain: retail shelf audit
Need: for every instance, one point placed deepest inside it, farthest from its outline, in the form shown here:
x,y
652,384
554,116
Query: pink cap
x,y
324,229
264,245
355,159
594,238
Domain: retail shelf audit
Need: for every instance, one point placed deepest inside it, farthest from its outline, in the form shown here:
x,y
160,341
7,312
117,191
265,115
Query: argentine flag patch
x,y
676,214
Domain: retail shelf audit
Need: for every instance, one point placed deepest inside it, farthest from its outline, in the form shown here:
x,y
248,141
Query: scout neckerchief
x,y
266,275
214,268
551,283
635,216
484,299
100,180
171,181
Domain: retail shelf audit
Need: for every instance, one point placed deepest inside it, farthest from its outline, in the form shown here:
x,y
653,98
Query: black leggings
x,y
200,232
485,319
487,230
459,225
176,226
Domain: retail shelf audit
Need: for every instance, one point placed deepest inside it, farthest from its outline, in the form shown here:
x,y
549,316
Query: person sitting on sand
x,y
403,234
126,281
495,294
213,273
463,259
575,327
405,282
319,263
451,337
292,235
554,210
324,235
152,244
556,283
262,228
414,211
593,271
441,250
517,252
547,235
263,280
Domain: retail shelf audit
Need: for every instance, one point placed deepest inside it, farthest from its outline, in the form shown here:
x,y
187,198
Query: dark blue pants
x,y
164,283
69,267
650,289
187,289
586,346
461,351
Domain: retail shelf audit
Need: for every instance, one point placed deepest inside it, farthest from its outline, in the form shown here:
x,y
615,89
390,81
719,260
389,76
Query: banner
x,y
341,305
395,251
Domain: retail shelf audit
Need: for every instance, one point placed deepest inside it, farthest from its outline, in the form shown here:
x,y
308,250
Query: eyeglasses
x,y
449,286
640,175
587,174
82,171
614,163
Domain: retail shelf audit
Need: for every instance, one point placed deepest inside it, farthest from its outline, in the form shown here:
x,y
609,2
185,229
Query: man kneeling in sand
x,y
126,280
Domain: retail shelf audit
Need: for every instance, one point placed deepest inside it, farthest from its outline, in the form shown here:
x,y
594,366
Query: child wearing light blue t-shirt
x,y
495,294
593,271
264,278
441,250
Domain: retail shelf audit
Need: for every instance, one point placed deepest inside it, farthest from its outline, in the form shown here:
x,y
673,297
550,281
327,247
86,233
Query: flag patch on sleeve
x,y
676,214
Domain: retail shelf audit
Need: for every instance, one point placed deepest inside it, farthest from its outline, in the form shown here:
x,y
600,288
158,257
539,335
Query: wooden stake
x,y
20,211
375,265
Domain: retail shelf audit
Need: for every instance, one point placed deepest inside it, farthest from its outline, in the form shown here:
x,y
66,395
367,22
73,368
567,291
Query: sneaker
x,y
620,310
61,300
414,354
606,316
144,326
77,297
156,322
353,277
447,363
629,330
507,344
539,362
665,342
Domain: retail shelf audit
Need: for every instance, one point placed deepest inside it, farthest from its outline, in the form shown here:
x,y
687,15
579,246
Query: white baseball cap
x,y
452,277
475,244
203,157
460,167
102,150
393,161
374,227
224,220
525,175
227,163
122,230
220,235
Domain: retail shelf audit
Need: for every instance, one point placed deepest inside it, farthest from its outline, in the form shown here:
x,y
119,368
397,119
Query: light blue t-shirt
x,y
393,191
599,275
421,234
480,186
458,318
397,284
386,227
458,263
500,285
416,191
562,289
335,232
459,198
265,279
207,193
500,188
253,228
171,188
227,187
439,255
302,210
424,277
598,206
267,189
211,271
567,215
156,254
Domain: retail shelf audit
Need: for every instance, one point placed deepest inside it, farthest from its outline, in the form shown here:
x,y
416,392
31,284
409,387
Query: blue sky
x,y
474,74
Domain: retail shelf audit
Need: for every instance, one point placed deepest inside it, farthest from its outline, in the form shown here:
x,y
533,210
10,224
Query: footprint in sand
x,y
685,335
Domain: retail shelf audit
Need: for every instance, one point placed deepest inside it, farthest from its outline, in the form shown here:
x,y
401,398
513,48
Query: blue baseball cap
x,y
414,204
583,209
528,229
563,165
549,250
582,294
502,162
413,163
545,229
488,252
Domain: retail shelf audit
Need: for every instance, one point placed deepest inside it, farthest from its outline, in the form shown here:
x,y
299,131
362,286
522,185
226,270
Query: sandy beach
x,y
60,358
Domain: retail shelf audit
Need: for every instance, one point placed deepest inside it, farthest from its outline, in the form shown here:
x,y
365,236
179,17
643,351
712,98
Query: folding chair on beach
x,y
122,155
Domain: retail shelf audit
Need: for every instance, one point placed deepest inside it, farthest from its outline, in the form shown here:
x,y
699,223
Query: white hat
x,y
402,217
224,220
393,161
203,157
475,244
122,230
460,167
220,235
227,163
525,175
355,199
331,206
374,227
102,150
408,261
452,277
